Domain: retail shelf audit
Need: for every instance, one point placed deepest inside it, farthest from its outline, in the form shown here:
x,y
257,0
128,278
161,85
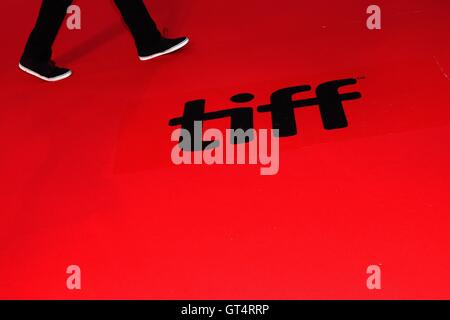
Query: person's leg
x,y
141,25
36,58
148,39
50,19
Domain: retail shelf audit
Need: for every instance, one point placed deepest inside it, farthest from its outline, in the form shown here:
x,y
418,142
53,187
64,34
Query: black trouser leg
x,y
142,27
40,42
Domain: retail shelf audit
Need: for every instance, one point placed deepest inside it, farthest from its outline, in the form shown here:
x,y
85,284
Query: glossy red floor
x,y
87,177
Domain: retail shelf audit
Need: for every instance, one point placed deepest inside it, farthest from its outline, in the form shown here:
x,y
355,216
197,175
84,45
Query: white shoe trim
x,y
170,50
58,78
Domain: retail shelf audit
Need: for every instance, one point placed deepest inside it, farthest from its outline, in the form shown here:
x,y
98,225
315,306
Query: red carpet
x,y
87,177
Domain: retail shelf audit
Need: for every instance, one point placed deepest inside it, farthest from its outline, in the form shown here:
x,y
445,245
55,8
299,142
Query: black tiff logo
x,y
281,107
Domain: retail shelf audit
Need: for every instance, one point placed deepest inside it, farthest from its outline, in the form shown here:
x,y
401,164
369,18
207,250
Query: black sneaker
x,y
164,46
47,71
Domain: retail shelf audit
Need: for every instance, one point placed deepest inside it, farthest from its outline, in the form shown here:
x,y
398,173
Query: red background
x,y
87,177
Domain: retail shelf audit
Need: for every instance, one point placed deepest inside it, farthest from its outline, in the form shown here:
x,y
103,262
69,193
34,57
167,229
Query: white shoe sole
x,y
58,78
170,50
